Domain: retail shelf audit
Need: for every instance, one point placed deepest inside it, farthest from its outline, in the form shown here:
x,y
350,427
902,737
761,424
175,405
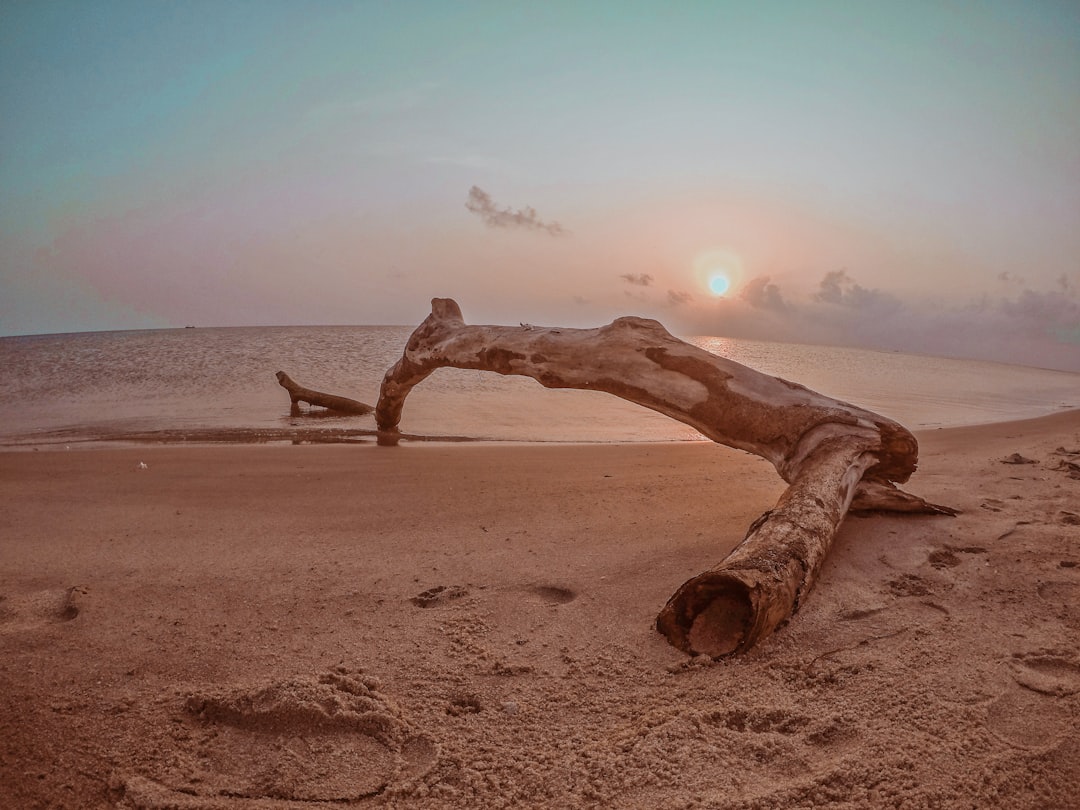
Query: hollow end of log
x,y
713,614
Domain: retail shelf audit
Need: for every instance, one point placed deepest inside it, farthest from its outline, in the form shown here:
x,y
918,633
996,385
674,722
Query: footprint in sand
x,y
1059,592
909,585
776,742
1026,714
943,558
1024,719
331,739
757,722
439,595
38,608
1068,518
443,594
1048,673
553,594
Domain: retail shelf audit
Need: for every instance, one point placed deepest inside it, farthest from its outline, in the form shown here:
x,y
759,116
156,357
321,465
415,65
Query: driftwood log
x,y
833,455
332,402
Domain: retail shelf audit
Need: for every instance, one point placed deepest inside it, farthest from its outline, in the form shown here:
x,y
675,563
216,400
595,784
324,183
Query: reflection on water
x,y
223,379
916,390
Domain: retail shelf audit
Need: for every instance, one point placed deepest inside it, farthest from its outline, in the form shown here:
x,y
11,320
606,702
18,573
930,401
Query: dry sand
x,y
466,626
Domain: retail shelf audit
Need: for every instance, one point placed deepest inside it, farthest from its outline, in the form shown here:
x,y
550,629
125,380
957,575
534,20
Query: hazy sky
x,y
892,174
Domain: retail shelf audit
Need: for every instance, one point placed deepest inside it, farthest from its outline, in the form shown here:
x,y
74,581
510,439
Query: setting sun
x,y
719,284
719,270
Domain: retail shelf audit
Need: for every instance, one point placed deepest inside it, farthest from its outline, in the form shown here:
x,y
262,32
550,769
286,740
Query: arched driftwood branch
x,y
830,452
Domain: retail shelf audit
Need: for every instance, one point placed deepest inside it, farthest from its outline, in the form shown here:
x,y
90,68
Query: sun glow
x,y
719,284
719,270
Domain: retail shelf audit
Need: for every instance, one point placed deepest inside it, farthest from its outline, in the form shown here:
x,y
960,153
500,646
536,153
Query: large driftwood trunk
x,y
834,455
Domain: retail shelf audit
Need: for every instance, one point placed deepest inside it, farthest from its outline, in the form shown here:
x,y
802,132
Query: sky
x,y
896,175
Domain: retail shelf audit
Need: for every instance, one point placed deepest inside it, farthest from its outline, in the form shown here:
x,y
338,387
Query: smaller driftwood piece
x,y
332,402
833,455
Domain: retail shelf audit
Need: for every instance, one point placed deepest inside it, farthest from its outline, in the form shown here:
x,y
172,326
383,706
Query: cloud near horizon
x,y
480,203
761,293
837,287
1031,327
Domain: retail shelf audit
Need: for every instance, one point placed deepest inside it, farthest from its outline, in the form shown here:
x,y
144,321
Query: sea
x,y
209,385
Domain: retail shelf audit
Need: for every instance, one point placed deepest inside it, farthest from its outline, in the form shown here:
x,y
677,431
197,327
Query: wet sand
x,y
472,626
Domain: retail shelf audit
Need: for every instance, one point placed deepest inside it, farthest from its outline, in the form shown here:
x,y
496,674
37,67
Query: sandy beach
x,y
472,626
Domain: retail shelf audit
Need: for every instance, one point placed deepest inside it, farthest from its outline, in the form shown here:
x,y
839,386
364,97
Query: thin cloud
x,y
678,298
637,279
480,203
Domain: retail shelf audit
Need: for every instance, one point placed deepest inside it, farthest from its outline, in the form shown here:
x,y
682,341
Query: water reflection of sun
x,y
718,270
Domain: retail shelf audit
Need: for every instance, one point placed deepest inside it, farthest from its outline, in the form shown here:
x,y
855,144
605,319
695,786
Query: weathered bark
x,y
297,393
830,452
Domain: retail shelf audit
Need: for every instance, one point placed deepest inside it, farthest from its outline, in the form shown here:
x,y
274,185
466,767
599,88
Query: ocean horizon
x,y
214,384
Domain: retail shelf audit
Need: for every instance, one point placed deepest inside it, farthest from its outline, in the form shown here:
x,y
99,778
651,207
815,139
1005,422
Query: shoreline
x,y
80,437
167,631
